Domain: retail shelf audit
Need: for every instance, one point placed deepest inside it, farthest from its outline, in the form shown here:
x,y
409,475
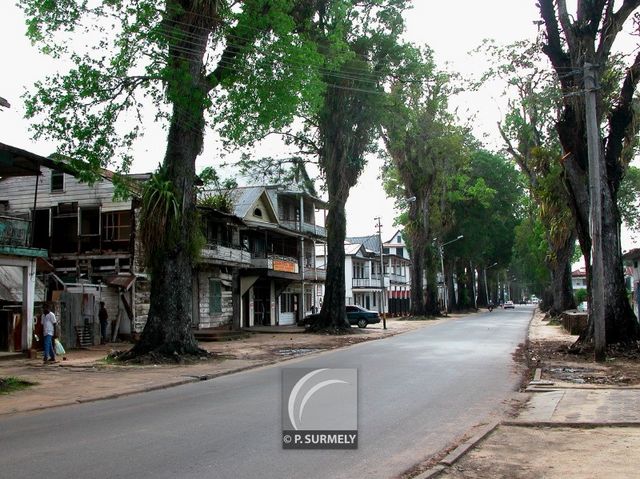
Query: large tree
x,y
244,67
343,130
422,142
528,130
572,41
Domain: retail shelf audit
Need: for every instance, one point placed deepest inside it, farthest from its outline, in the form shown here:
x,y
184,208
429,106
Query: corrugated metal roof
x,y
371,243
11,285
244,198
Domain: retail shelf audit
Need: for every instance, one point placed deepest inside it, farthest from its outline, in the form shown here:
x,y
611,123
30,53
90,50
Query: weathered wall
x,y
212,320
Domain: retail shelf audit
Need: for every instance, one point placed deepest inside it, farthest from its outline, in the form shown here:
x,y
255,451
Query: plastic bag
x,y
59,348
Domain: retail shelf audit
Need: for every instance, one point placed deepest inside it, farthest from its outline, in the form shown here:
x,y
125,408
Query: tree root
x,y
159,356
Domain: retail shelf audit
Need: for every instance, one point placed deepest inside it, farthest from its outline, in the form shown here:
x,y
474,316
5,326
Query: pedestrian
x,y
48,320
104,321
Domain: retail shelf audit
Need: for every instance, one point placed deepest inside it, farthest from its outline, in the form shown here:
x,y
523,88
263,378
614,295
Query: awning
x,y
123,281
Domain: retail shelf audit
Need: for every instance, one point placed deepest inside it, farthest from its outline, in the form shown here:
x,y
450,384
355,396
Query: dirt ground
x,y
276,346
559,452
549,350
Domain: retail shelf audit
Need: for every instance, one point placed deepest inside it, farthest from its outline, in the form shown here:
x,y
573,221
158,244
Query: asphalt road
x,y
417,392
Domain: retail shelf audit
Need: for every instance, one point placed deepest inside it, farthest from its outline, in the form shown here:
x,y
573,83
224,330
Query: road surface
x,y
417,392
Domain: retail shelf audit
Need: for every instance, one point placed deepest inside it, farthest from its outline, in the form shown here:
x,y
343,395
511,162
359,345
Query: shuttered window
x,y
215,296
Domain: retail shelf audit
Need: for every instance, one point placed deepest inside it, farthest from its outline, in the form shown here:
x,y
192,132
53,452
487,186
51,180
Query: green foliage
x,y
530,250
215,192
290,172
580,295
629,198
12,384
159,217
133,64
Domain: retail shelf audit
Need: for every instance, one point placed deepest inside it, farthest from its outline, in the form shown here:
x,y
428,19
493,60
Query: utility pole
x,y
381,306
595,212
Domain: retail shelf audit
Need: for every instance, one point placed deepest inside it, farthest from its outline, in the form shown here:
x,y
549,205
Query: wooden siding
x,y
20,191
212,320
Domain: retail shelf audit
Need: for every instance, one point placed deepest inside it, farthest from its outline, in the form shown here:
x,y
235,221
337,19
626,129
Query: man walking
x,y
48,330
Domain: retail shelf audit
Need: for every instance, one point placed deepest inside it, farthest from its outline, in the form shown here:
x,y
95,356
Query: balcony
x,y
373,282
308,228
284,264
315,274
398,279
220,253
15,231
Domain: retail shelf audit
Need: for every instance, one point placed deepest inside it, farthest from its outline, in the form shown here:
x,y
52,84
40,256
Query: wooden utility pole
x,y
594,146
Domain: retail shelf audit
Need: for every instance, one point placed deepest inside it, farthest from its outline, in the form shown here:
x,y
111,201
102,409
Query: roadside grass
x,y
12,384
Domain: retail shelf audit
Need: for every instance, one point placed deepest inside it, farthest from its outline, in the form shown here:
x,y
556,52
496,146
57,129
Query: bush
x,y
580,295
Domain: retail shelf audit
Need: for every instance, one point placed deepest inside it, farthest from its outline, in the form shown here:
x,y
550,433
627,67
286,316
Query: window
x,y
257,212
116,226
288,303
400,251
57,181
399,239
215,296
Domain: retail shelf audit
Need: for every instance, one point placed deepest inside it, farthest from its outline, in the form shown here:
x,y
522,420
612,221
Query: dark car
x,y
355,314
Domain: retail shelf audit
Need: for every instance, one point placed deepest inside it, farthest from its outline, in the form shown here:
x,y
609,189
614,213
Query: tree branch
x,y
620,122
553,47
612,25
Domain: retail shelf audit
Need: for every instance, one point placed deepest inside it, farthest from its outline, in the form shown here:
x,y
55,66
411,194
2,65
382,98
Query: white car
x,y
509,304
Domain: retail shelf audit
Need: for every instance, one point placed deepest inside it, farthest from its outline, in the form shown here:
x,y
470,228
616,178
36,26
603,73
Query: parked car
x,y
509,305
356,315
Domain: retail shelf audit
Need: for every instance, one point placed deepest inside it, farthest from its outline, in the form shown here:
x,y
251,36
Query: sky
x,y
451,29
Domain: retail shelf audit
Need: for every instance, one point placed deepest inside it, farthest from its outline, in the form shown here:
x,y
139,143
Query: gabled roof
x,y
371,243
579,273
352,249
393,236
277,190
245,198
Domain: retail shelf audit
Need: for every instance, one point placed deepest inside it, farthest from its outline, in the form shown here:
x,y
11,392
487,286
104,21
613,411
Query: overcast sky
x,y
451,29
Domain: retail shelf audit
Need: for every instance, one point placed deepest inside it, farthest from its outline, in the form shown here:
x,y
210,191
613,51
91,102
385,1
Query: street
x,y
417,393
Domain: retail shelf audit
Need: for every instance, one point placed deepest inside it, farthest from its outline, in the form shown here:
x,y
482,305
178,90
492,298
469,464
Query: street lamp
x,y
381,305
444,281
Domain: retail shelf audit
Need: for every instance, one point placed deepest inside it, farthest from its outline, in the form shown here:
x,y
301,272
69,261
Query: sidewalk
x,y
565,430
86,376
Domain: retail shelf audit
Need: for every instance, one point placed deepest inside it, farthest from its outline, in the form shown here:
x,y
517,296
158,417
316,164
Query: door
x,y
288,308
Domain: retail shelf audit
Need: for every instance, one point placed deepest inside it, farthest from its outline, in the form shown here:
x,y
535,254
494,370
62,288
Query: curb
x,y
156,387
459,451
574,425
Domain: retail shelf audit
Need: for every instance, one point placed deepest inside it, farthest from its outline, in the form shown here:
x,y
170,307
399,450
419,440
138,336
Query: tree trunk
x,y
432,307
168,330
417,275
482,288
568,51
561,287
620,322
333,313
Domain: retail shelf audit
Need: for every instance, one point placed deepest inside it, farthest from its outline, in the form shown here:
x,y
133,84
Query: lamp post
x,y
444,281
381,305
486,286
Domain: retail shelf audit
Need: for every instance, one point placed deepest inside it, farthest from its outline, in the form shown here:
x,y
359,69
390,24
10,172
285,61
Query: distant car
x,y
355,315
509,304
